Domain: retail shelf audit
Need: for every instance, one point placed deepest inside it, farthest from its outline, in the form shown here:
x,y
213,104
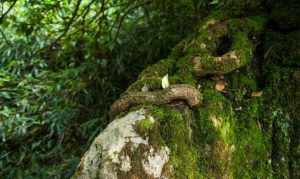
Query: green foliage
x,y
62,64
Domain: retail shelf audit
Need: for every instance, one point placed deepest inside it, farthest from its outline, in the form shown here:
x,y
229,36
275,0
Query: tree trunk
x,y
230,111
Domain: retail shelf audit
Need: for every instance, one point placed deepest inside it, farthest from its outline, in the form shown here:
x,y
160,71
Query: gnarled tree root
x,y
220,46
182,92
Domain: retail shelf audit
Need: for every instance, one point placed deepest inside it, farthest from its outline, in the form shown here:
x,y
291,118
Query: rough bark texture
x,y
246,129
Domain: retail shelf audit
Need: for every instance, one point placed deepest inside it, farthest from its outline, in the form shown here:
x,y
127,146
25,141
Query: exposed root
x,y
191,59
183,92
224,64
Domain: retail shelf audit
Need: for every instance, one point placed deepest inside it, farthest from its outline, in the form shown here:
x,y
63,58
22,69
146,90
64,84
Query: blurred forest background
x,y
63,63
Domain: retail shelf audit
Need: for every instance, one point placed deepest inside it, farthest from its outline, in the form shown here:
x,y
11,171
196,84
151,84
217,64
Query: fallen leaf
x,y
202,45
165,81
256,94
238,108
199,86
145,88
220,86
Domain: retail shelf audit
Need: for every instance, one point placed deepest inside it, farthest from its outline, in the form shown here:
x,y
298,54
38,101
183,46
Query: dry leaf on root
x,y
256,93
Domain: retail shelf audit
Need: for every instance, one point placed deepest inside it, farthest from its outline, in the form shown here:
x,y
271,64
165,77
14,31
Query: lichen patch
x,y
155,161
103,157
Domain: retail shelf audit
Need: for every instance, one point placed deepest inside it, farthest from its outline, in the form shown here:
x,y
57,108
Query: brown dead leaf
x,y
256,93
220,85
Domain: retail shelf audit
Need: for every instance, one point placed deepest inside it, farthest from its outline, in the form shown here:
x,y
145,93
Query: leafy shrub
x,y
62,63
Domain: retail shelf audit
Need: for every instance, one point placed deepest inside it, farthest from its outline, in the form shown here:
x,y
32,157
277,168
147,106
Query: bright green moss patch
x,y
176,132
252,154
233,124
213,133
252,144
145,125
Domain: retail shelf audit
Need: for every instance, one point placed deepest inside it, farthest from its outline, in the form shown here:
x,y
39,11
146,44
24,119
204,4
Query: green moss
x,y
144,126
199,54
176,132
251,24
243,45
213,131
205,40
256,23
251,143
252,154
159,69
184,74
240,85
233,124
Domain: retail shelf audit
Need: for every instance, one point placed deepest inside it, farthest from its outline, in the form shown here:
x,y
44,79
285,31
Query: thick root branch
x,y
182,92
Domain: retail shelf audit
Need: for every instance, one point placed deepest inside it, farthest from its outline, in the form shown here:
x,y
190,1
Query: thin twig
x,y
124,16
67,28
69,24
8,10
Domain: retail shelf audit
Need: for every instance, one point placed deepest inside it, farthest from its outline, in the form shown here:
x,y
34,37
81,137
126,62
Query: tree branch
x,y
67,28
8,10
125,14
